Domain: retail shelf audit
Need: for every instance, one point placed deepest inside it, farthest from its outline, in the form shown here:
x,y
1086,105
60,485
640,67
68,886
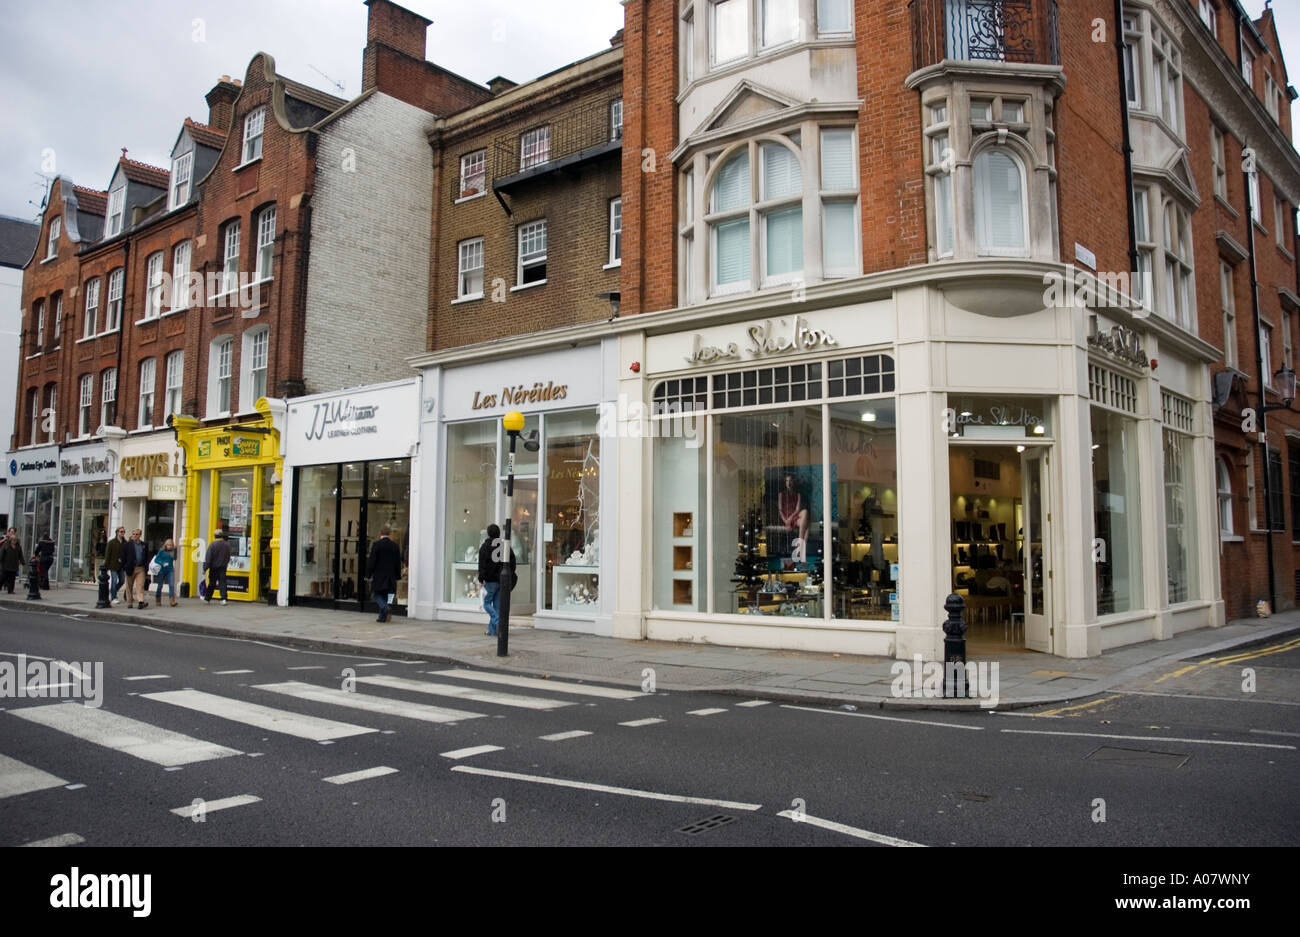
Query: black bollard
x,y
34,579
954,646
103,589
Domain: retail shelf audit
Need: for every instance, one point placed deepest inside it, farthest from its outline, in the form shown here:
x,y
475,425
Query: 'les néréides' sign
x,y
764,340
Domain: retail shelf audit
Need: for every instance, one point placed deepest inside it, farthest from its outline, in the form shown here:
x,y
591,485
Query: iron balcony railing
x,y
1013,31
583,133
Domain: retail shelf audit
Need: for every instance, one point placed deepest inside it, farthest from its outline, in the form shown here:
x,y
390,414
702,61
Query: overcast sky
x,y
83,78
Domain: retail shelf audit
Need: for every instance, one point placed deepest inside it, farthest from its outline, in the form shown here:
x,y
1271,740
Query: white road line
x,y
1149,738
470,752
223,673
704,712
17,778
606,789
847,830
755,702
309,667
34,687
637,723
150,676
472,693
365,775
382,663
120,733
561,736
261,717
533,683
66,839
1294,735
375,704
70,669
24,654
212,806
918,722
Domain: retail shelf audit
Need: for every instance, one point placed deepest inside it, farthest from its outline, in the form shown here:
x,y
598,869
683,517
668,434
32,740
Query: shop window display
x,y
1116,512
864,510
235,517
572,523
471,504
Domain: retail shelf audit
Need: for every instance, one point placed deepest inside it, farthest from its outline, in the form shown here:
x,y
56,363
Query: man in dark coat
x,y
133,570
216,560
491,555
113,563
11,560
384,569
45,550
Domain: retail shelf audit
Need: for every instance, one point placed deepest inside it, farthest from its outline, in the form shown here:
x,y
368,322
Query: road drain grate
x,y
703,826
1138,758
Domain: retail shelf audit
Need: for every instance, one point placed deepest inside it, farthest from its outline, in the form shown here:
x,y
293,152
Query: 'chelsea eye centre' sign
x,y
764,340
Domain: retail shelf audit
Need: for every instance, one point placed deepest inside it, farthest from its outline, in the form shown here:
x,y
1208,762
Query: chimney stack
x,y
221,103
395,27
499,85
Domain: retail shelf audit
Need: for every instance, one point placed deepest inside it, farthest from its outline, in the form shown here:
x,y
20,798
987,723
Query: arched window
x,y
767,205
1225,496
1000,206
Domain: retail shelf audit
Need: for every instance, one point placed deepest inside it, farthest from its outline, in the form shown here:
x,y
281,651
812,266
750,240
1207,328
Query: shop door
x,y
523,537
1037,555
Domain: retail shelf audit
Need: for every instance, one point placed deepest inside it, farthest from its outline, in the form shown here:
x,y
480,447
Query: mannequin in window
x,y
793,511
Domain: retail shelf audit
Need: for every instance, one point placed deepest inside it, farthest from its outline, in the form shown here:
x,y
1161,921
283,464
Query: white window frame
x,y
35,394
983,219
221,353
1256,208
688,48
144,408
254,360
174,383
85,404
265,263
1223,486
254,125
1133,62
1266,352
1271,96
52,405
1247,65
525,232
58,317
39,310
182,170
844,6
1178,270
1228,304
763,207
535,147
116,211
116,301
230,257
180,276
473,175
747,43
1209,16
56,226
153,279
615,232
780,39
1218,160
92,309
467,251
108,397
616,119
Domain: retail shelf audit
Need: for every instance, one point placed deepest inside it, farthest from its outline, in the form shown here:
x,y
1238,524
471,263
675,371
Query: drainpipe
x,y
1127,141
121,332
1263,403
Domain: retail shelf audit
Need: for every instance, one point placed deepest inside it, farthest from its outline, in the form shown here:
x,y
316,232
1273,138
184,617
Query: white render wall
x,y
368,274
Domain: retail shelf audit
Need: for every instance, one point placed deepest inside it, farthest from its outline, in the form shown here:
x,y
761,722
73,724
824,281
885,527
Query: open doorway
x,y
999,545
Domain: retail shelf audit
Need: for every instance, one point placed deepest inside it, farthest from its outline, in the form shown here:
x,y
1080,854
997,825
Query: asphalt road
x,y
1164,762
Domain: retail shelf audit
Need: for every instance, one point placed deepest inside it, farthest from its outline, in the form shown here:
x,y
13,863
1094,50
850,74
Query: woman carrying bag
x,y
163,570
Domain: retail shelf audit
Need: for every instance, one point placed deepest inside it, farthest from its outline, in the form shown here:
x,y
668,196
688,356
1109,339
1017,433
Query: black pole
x,y
34,578
504,551
1263,401
1127,146
103,588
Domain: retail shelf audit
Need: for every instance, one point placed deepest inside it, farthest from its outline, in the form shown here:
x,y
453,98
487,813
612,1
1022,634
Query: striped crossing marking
x,y
150,676
261,717
380,663
637,723
375,704
705,712
223,673
65,839
561,736
607,789
846,830
120,733
308,667
17,778
471,693
365,775
533,683
755,702
212,806
470,752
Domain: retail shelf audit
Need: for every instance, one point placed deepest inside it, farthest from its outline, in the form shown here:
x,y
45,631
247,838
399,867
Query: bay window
x,y
1001,210
728,30
1178,294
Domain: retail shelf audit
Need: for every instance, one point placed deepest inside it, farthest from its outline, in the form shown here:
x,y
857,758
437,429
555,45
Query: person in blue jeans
x,y
489,574
166,560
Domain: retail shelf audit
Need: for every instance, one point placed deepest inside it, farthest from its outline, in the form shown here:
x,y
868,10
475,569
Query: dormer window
x,y
53,249
253,124
182,167
116,206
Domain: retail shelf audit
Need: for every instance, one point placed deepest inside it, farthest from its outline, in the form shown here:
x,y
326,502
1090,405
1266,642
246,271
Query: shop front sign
x,y
85,465
144,467
519,395
167,489
33,466
383,419
764,340
1122,342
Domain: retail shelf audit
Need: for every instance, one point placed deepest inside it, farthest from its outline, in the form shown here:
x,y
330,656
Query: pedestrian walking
x,y
215,561
165,562
489,573
384,569
45,550
11,560
133,568
113,563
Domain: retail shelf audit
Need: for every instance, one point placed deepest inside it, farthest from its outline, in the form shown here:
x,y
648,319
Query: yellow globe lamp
x,y
513,421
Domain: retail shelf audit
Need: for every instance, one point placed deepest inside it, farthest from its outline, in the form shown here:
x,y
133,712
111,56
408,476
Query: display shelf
x,y
465,576
565,577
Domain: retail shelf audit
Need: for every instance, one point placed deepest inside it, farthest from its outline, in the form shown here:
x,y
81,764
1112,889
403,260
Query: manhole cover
x,y
703,826
1138,758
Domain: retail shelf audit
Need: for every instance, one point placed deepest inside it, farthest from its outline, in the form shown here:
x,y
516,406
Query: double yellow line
x,y
1232,659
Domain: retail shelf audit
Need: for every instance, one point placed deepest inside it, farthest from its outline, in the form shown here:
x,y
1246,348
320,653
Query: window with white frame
x,y
1209,16
58,316
780,22
616,119
1266,352
1217,159
182,167
85,405
38,314
253,125
221,355
51,411
532,253
1256,209
92,309
116,209
153,296
1279,223
1144,287
839,201
1227,302
728,30
174,382
230,258
180,275
688,48
1001,219
767,205
1223,476
473,173
1167,84
144,414
1178,298
686,255
1270,96
257,344
265,243
108,397
1179,463
34,416
1133,60
1247,65
834,17
469,283
535,147
939,169
615,231
1252,511
53,248
113,312
1286,339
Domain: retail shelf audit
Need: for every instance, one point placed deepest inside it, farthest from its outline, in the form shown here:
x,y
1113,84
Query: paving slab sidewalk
x,y
1025,679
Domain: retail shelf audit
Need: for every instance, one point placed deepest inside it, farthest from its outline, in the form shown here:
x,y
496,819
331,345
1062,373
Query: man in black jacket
x,y
384,569
133,569
491,556
216,561
45,550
